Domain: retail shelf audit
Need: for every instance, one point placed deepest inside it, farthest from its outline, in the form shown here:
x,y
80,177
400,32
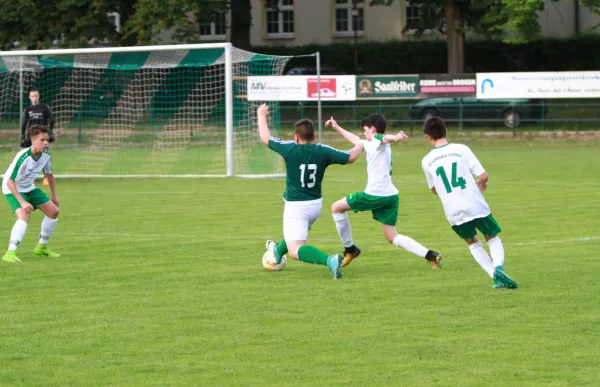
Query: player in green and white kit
x,y
380,196
449,169
24,197
305,164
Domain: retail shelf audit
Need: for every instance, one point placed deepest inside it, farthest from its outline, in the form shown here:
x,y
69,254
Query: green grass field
x,y
160,283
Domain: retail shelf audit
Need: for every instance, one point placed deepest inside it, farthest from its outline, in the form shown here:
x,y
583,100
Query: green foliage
x,y
152,18
516,21
36,24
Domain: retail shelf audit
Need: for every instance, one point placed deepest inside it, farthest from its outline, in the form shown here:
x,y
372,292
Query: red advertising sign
x,y
328,88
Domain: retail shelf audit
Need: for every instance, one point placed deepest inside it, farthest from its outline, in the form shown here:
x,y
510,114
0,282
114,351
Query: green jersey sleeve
x,y
335,156
280,146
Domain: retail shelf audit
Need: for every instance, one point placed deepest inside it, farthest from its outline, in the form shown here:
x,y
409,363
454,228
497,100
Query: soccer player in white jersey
x,y
305,164
449,169
380,196
24,197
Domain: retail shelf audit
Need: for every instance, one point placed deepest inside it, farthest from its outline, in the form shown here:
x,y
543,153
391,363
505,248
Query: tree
x,y
38,24
515,21
182,17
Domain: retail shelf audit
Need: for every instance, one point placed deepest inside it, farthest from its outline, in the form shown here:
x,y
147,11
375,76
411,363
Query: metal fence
x,y
459,113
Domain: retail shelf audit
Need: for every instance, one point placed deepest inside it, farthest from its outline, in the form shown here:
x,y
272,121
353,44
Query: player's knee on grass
x,y
293,247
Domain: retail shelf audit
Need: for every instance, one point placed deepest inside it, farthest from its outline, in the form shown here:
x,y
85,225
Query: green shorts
x,y
36,198
488,226
384,208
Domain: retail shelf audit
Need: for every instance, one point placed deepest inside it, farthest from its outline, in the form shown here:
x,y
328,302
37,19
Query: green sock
x,y
281,249
311,254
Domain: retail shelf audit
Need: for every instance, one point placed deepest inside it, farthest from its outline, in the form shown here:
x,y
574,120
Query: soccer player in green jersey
x,y
305,164
380,196
24,197
449,169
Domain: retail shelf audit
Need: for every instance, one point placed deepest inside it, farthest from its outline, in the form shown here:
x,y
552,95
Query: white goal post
x,y
144,111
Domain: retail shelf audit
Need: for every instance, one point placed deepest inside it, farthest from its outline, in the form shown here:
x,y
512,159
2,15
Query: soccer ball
x,y
268,261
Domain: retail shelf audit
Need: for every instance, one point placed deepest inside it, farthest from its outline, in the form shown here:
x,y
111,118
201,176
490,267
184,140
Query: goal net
x,y
143,111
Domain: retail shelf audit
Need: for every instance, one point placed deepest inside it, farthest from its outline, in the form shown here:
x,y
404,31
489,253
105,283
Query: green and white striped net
x,y
157,113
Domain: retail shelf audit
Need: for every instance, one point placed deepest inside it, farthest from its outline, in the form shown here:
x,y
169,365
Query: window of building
x,y
280,18
412,15
349,17
213,30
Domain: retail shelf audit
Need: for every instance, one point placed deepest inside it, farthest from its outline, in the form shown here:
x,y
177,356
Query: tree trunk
x,y
241,21
455,38
126,10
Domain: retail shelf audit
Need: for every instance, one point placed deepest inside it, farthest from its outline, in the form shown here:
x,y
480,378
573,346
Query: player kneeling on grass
x,y
305,164
24,197
380,196
449,169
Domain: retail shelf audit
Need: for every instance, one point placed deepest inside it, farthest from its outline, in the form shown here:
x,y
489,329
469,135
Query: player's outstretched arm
x,y
347,135
355,152
389,138
263,127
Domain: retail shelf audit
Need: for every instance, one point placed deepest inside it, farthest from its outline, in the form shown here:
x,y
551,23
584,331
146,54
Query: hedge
x,y
426,56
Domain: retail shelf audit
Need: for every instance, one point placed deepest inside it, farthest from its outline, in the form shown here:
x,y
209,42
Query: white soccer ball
x,y
268,261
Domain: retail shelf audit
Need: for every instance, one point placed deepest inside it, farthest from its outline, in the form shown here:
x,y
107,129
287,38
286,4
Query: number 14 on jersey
x,y
456,181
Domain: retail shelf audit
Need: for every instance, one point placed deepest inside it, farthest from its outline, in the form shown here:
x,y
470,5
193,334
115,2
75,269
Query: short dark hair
x,y
305,129
34,130
435,127
34,89
376,120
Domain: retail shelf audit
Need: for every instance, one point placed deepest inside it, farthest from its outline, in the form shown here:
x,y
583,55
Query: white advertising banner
x,y
567,84
301,88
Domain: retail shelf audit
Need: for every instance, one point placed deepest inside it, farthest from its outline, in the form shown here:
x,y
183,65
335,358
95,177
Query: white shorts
x,y
298,217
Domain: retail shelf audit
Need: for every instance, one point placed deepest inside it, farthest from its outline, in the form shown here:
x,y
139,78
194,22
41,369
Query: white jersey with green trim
x,y
24,169
450,169
379,167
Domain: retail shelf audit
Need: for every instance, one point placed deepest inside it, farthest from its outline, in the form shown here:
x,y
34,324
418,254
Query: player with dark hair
x,y
305,164
380,196
36,114
449,169
24,197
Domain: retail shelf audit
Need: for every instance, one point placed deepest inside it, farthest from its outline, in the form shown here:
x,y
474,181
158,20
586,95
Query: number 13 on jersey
x,y
312,175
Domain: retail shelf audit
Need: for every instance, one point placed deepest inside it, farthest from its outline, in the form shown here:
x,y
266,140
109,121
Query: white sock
x,y
47,229
342,224
410,245
496,251
17,233
482,258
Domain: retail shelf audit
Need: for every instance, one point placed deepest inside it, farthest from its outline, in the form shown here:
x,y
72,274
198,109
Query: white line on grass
x,y
203,237
255,237
556,241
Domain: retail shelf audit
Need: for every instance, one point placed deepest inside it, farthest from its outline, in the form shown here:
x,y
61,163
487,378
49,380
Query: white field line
x,y
254,237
